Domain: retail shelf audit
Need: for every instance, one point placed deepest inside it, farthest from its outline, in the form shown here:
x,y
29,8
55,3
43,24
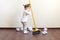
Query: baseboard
x,y
33,27
48,28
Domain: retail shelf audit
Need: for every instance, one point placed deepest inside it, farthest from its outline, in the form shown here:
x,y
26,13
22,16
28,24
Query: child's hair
x,y
27,5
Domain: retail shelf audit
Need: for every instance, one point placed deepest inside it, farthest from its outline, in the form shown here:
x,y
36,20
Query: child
x,y
25,17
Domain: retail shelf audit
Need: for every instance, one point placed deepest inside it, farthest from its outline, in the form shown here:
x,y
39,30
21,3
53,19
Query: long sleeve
x,y
27,12
25,16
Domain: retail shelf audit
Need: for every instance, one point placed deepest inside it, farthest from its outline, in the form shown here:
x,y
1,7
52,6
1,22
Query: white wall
x,y
7,12
47,13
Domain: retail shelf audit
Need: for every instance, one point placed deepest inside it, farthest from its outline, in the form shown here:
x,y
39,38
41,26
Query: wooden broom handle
x,y
33,15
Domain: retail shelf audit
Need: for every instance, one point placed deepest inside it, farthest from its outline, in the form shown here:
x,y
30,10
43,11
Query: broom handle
x,y
33,15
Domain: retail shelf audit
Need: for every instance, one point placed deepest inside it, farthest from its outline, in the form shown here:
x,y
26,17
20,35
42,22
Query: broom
x,y
35,29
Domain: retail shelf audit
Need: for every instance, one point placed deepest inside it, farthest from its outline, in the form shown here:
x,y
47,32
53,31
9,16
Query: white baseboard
x,y
33,27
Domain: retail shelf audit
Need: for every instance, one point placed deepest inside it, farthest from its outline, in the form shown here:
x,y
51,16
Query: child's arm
x,y
27,12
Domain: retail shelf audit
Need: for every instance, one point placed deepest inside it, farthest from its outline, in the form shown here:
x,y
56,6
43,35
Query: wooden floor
x,y
12,34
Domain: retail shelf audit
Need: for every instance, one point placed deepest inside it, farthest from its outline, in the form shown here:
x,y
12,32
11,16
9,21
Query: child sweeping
x,y
25,17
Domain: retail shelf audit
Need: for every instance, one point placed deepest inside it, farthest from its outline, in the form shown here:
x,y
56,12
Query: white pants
x,y
24,25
